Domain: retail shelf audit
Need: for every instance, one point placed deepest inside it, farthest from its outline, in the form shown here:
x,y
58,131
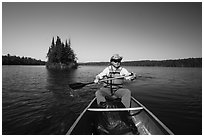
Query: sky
x,y
135,30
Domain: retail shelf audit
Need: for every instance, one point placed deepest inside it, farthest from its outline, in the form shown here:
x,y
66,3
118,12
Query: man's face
x,y
116,63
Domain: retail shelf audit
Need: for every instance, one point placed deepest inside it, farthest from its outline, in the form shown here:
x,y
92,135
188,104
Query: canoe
x,y
145,122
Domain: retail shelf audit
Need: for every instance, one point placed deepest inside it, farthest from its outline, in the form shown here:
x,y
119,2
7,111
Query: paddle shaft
x,y
80,85
107,79
114,78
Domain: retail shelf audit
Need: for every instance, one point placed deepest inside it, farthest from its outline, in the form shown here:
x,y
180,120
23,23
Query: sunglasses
x,y
116,60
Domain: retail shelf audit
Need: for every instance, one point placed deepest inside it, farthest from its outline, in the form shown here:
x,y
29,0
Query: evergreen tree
x,y
61,53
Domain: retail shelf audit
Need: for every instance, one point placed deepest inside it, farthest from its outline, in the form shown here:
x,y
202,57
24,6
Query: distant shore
x,y
16,60
189,62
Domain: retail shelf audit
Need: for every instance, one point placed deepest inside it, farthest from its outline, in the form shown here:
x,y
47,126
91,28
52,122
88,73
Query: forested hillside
x,y
189,62
16,60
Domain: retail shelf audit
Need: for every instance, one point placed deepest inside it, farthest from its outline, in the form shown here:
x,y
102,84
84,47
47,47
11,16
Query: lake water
x,y
37,101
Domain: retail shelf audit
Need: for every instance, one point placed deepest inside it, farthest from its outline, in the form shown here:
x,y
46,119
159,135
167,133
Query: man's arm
x,y
124,72
101,75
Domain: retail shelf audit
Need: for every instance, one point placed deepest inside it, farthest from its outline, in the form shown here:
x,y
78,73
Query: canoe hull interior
x,y
145,122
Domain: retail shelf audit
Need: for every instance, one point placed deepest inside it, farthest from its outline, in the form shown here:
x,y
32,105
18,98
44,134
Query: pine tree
x,y
61,53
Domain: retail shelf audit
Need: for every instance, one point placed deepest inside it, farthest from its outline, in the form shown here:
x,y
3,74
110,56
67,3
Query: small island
x,y
61,56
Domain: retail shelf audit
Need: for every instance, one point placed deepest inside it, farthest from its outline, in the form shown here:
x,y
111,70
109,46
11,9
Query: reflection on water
x,y
38,101
58,83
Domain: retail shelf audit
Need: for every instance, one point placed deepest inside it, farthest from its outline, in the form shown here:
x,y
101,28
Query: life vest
x,y
116,83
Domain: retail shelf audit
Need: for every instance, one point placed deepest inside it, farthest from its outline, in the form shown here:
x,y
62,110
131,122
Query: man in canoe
x,y
114,88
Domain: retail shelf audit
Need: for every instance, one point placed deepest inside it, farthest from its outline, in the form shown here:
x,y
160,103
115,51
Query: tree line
x,y
189,62
61,55
16,60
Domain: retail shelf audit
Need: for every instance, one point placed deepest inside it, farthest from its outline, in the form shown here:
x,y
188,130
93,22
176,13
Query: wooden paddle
x,y
79,85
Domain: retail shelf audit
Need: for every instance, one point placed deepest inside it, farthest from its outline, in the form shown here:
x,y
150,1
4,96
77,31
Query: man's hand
x,y
133,76
97,79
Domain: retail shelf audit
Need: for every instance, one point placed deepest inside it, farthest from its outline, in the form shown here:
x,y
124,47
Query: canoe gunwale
x,y
80,116
154,117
